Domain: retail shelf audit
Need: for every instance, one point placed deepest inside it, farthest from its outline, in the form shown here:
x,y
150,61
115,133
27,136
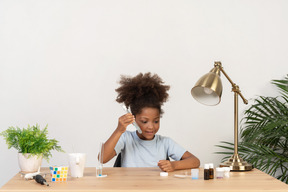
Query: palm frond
x,y
282,85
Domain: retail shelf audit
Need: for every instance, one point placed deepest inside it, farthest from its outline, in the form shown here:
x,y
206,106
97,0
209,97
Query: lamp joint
x,y
235,88
217,64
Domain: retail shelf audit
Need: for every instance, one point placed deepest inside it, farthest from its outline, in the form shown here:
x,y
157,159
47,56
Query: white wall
x,y
60,62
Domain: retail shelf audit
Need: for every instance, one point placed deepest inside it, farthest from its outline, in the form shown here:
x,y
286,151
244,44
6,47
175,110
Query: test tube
x,y
99,166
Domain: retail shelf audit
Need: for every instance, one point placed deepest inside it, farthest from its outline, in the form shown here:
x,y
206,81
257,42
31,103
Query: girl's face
x,y
149,122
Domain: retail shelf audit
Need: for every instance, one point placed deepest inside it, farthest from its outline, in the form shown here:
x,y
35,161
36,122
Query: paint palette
x,y
59,173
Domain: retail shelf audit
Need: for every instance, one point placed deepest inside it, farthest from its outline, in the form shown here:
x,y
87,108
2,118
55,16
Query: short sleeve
x,y
120,144
175,151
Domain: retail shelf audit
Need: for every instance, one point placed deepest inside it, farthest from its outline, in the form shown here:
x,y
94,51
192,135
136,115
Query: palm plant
x,y
264,134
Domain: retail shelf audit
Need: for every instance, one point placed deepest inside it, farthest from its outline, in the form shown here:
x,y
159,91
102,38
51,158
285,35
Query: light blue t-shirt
x,y
136,152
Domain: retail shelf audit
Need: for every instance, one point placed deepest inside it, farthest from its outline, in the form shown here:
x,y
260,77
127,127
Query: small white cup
x,y
77,164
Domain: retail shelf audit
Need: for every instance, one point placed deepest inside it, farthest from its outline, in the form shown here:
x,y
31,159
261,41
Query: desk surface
x,y
149,179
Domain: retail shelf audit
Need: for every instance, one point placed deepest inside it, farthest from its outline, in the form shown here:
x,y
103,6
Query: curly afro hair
x,y
143,90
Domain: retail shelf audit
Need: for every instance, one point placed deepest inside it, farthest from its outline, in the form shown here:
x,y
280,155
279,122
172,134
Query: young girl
x,y
145,94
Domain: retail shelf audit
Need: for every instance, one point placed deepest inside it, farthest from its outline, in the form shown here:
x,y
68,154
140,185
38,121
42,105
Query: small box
x,y
59,173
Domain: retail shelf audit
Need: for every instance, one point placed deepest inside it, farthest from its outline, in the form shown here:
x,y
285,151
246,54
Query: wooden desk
x,y
149,179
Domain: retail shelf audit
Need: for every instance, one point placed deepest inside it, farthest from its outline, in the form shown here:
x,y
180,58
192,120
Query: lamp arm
x,y
235,88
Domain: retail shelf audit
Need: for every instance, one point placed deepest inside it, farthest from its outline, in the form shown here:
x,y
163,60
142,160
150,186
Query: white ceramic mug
x,y
77,164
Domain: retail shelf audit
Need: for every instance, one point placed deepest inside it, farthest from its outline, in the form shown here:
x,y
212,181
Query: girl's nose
x,y
150,126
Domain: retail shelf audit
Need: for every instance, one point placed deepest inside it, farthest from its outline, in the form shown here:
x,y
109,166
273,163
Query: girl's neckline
x,y
142,140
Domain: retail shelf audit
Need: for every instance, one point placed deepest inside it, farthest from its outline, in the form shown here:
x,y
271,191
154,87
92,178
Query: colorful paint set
x,y
58,173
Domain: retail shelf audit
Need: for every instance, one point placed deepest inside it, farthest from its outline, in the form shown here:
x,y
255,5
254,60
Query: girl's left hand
x,y
166,165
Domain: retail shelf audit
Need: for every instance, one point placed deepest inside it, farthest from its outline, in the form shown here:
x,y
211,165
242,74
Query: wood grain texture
x,y
149,179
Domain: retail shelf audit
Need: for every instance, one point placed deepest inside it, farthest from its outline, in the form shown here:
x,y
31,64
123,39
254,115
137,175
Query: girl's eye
x,y
143,121
156,122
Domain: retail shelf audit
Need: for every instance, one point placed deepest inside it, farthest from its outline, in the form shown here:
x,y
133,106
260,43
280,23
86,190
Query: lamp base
x,y
236,163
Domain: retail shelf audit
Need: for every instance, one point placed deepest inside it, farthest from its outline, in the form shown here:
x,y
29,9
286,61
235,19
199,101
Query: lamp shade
x,y
208,89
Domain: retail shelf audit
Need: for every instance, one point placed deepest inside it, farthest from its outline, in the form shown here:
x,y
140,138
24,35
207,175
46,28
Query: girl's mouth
x,y
149,132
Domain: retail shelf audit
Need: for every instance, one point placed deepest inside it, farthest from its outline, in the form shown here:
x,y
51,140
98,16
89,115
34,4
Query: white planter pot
x,y
29,164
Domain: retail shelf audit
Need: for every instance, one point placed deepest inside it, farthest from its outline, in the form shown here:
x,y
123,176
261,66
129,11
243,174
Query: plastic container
x,y
226,172
195,173
219,173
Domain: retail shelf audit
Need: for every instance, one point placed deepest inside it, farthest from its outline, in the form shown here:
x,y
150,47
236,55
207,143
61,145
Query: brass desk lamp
x,y
208,91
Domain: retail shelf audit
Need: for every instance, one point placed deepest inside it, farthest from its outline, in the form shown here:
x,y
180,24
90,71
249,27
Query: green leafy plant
x,y
264,134
31,140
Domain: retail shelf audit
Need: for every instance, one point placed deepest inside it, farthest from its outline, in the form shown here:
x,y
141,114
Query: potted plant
x,y
32,144
264,133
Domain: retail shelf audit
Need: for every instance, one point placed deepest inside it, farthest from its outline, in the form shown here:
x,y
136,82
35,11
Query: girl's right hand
x,y
124,121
